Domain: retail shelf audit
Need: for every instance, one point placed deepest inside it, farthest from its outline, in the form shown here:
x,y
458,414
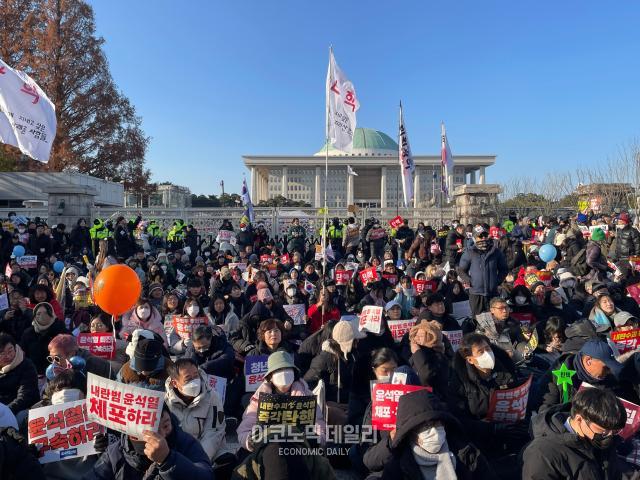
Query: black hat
x,y
147,355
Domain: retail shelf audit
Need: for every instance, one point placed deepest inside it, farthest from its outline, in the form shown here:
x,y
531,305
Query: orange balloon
x,y
117,289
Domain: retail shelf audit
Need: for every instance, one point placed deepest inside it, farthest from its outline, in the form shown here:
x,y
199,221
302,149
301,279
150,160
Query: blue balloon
x,y
58,266
18,251
547,252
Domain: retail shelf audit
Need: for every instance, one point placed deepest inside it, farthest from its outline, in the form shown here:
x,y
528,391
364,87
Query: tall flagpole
x,y
326,175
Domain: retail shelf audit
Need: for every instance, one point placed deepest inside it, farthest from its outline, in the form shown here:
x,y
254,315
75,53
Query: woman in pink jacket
x,y
145,316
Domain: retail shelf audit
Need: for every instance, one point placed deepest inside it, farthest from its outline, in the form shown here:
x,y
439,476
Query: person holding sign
x,y
577,440
427,443
168,454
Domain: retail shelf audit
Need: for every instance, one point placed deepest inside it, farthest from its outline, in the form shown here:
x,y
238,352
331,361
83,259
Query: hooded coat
x,y
394,457
334,369
36,344
218,360
484,271
131,322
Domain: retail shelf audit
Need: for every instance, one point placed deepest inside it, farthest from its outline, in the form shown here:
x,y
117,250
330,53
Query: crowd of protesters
x,y
526,317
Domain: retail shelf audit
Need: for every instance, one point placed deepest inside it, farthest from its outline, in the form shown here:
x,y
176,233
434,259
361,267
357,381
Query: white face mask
x,y
432,439
291,292
486,361
521,300
192,388
143,312
283,378
66,395
384,379
193,310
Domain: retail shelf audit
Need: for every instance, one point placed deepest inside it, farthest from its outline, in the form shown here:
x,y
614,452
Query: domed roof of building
x,y
366,142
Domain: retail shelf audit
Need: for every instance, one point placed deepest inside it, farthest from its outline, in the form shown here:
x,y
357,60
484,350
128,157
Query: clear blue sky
x,y
543,84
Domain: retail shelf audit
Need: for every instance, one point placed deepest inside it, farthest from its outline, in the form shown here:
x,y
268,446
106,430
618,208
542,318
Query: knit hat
x,y
154,286
391,304
433,334
624,217
72,270
343,334
622,318
581,218
147,355
278,361
597,235
264,294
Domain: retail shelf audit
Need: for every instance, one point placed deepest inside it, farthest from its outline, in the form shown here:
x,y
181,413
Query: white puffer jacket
x,y
203,418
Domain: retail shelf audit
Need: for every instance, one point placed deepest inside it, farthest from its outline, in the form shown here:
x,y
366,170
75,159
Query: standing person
x,y
377,239
125,245
351,237
577,440
40,244
80,238
297,237
627,239
483,267
454,245
596,260
404,238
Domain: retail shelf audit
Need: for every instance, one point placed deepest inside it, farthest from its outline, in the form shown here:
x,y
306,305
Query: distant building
x,y
166,195
26,189
378,184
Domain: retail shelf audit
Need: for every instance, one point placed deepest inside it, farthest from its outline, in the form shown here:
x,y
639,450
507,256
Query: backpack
x,y
579,265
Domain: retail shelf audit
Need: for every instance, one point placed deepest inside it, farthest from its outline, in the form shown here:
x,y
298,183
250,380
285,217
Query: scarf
x,y
435,466
39,327
582,373
17,360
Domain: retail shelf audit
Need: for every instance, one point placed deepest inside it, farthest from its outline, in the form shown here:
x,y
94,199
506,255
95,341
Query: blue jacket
x,y
186,460
484,271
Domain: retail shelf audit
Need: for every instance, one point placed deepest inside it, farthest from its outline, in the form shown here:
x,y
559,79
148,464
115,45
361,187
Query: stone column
x,y
477,203
252,187
472,177
416,188
383,187
70,203
318,197
482,176
350,182
285,182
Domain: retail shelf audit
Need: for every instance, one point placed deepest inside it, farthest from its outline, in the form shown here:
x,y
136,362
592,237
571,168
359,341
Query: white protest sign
x,y
398,328
455,338
225,236
27,261
123,408
62,431
219,384
4,302
296,312
371,319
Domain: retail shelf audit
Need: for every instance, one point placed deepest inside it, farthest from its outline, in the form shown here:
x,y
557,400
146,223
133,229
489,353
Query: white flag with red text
x,y
447,163
407,167
342,105
27,116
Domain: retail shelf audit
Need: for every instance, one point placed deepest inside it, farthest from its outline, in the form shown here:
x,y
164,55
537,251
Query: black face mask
x,y
602,442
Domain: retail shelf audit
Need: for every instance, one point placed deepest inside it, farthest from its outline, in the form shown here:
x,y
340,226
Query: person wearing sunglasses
x,y
578,439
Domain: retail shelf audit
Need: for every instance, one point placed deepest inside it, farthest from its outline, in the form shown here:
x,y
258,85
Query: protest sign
x,y
255,367
399,327
343,276
233,241
296,312
219,384
284,259
371,319
27,261
461,310
392,278
4,301
634,292
396,222
509,405
184,325
585,231
99,344
384,403
225,236
424,285
62,431
455,338
369,275
266,258
626,340
122,407
319,252
635,263
273,270
525,319
277,409
633,415
240,266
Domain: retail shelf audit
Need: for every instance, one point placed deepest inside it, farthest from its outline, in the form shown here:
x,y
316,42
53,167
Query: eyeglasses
x,y
501,308
54,358
605,433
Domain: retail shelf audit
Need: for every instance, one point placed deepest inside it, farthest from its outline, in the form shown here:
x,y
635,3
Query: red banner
x,y
369,275
266,258
384,403
626,340
284,259
424,285
99,344
510,405
343,276
634,291
525,319
396,222
392,278
185,325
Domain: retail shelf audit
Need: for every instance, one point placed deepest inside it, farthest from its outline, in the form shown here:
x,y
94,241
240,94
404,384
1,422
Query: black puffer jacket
x,y
16,460
19,386
36,345
433,369
334,369
557,453
394,457
627,242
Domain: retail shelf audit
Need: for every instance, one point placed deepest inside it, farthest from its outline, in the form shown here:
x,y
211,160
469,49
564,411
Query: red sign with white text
x,y
396,222
99,344
343,276
626,340
184,325
384,403
510,405
369,275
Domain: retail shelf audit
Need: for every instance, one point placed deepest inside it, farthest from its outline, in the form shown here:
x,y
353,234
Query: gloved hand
x,y
100,442
248,348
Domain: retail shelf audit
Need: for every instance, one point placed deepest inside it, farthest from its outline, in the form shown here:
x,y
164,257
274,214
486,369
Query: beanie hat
x,y
147,355
433,334
624,217
153,286
264,294
597,235
343,334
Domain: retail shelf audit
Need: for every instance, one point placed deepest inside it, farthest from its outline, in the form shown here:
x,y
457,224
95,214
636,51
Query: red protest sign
x,y
510,405
424,285
626,340
633,415
525,319
265,258
398,328
343,276
369,275
284,259
185,325
99,344
392,278
634,291
396,222
371,319
384,403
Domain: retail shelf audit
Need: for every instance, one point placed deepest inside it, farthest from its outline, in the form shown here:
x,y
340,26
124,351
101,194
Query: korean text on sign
x,y
296,312
369,275
384,403
219,384
343,276
634,292
123,408
396,222
510,405
626,340
455,338
27,261
371,319
225,236
424,285
62,431
276,409
633,415
185,325
99,344
255,367
399,327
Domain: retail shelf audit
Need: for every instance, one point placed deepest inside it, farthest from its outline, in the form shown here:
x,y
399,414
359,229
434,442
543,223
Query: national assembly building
x,y
378,184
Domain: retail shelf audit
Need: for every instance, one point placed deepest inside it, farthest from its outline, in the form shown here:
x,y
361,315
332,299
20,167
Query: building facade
x,y
378,183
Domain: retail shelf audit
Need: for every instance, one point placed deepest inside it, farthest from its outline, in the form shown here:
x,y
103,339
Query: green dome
x,y
366,142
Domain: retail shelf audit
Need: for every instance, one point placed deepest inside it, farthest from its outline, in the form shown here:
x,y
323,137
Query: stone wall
x,y
69,203
476,203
